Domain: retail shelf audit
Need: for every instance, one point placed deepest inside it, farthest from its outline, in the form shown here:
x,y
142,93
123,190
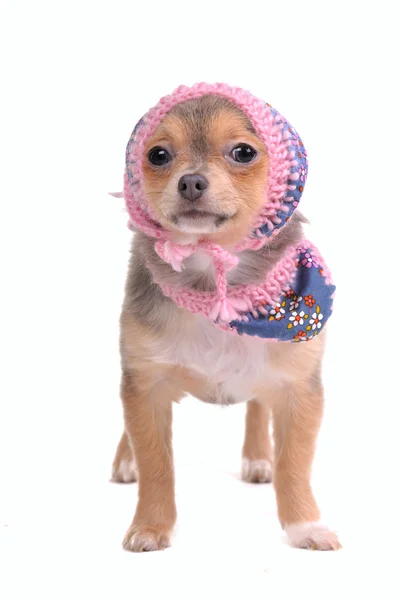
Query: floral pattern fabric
x,y
301,312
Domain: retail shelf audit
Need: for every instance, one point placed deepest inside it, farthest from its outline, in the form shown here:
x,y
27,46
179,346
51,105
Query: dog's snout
x,y
191,187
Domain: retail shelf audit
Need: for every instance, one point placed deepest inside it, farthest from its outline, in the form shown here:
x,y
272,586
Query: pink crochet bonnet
x,y
255,309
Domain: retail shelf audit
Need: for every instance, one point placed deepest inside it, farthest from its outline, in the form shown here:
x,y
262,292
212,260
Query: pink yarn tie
x,y
174,254
224,261
226,304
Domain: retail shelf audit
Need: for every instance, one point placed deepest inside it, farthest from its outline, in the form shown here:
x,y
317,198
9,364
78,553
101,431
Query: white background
x,y
75,77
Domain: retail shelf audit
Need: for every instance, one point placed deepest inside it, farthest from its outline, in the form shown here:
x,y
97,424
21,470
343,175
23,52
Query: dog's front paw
x,y
312,536
145,539
256,471
124,471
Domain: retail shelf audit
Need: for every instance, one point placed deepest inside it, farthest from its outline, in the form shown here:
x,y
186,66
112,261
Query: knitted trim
x,y
229,303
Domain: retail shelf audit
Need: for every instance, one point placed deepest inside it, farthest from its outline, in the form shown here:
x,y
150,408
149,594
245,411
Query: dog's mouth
x,y
197,216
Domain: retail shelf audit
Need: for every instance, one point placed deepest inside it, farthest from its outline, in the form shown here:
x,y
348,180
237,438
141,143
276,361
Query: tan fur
x,y
164,348
235,190
123,468
148,390
257,443
148,415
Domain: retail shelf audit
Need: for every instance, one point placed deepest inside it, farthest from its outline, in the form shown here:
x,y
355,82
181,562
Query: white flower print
x,y
297,318
315,321
278,312
294,304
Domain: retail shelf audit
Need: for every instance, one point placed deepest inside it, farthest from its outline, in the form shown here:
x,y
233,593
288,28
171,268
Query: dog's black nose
x,y
191,187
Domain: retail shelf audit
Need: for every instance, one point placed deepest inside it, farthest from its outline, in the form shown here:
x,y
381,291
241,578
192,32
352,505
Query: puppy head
x,y
205,171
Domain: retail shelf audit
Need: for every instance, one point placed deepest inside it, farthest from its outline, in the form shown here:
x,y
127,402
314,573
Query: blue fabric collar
x,y
302,311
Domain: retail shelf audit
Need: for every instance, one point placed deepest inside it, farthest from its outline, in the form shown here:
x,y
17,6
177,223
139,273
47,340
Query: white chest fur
x,y
234,366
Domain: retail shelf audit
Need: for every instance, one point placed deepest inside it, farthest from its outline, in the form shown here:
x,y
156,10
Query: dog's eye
x,y
159,156
243,153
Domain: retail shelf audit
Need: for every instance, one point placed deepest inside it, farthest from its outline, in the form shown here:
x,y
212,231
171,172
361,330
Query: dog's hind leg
x,y
124,469
257,448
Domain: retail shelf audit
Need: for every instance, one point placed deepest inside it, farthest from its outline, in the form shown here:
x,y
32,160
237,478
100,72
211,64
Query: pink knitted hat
x,y
287,173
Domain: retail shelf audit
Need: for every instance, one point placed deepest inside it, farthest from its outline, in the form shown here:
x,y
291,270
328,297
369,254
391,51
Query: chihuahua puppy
x,y
204,173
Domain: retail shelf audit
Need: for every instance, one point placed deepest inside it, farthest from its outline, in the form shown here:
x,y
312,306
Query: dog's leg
x,y
257,450
124,469
297,415
148,416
